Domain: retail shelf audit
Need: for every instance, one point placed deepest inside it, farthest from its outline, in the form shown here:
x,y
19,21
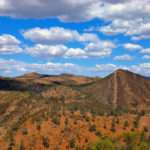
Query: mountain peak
x,y
31,75
121,71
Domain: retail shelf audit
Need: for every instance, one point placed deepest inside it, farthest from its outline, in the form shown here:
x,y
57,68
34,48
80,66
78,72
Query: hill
x,y
28,100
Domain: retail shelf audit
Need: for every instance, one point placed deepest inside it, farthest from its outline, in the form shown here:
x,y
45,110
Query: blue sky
x,y
91,37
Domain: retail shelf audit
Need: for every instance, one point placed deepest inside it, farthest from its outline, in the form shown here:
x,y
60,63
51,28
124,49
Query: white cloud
x,y
125,10
9,44
103,53
47,50
128,27
100,45
105,67
143,68
131,46
13,67
7,39
76,53
138,28
130,17
58,35
53,42
145,51
63,9
146,57
52,35
125,57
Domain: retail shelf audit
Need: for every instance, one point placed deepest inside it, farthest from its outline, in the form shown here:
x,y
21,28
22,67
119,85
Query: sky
x,y
86,37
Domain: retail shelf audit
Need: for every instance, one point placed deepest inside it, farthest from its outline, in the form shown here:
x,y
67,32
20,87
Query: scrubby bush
x,y
145,129
21,147
136,122
113,126
126,124
98,133
38,127
87,118
117,121
11,144
92,128
56,120
72,143
45,142
24,131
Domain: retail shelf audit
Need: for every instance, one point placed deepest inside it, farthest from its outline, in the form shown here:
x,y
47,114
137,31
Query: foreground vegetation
x,y
128,141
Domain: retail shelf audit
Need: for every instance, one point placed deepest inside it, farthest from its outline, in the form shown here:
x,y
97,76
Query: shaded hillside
x,y
133,91
121,90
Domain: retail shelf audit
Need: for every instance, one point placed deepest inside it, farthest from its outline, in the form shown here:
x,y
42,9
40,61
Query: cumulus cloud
x,y
47,51
125,10
7,39
13,67
147,57
56,46
57,35
128,27
72,52
9,44
143,68
130,17
145,51
125,57
52,35
100,45
131,46
53,42
105,67
64,9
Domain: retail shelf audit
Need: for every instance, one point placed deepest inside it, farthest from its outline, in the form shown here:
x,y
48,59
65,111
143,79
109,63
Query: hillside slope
x,y
122,90
36,98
